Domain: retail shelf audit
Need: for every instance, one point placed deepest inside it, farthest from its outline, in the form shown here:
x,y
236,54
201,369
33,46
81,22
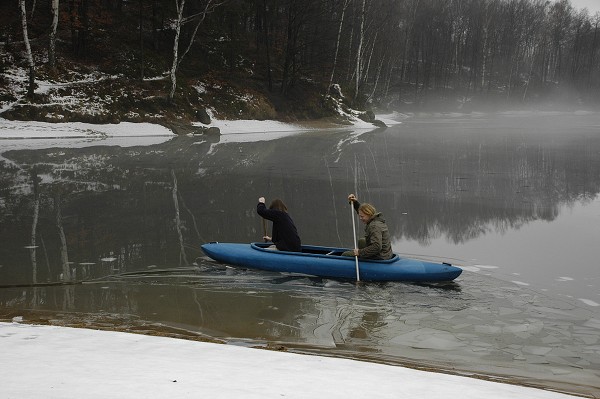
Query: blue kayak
x,y
328,262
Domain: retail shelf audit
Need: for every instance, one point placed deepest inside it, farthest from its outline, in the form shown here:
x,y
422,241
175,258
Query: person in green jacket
x,y
376,244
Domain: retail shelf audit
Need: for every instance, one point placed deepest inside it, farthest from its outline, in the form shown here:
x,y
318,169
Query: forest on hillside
x,y
379,52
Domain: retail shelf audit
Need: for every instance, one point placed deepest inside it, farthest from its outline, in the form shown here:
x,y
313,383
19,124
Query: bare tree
x,y
180,4
361,35
594,48
31,85
267,43
508,48
54,27
337,43
181,20
141,31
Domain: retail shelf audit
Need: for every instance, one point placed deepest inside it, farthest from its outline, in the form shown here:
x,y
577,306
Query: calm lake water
x,y
511,198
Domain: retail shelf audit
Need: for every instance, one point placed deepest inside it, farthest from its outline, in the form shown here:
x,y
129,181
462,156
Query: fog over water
x,y
593,6
512,198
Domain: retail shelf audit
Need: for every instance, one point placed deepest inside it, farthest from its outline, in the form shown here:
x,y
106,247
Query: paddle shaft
x,y
264,224
355,242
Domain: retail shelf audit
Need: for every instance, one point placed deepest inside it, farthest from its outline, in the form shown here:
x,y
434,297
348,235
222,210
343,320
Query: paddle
x,y
355,244
264,224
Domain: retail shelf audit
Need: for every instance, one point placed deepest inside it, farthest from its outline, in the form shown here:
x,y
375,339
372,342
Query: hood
x,y
378,217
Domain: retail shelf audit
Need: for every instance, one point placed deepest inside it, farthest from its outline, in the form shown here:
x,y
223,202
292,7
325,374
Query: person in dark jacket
x,y
285,235
376,244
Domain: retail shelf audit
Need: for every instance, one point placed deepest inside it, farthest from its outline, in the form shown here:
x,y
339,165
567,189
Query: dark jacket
x,y
377,237
285,235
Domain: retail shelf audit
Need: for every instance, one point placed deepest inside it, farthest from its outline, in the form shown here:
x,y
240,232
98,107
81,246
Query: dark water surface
x,y
513,199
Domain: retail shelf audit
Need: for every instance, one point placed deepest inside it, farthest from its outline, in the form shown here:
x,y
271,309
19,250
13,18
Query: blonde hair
x,y
367,209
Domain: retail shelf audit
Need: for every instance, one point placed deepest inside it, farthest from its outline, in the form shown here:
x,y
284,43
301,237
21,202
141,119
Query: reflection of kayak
x,y
328,262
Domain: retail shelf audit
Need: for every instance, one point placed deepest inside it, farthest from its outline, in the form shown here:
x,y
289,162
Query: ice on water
x,y
589,302
565,279
425,338
504,327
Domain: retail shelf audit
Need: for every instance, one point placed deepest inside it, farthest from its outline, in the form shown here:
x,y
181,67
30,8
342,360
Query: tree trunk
x,y
267,45
141,26
155,25
31,85
72,21
337,45
180,5
290,50
208,7
529,76
367,68
53,29
593,52
359,51
408,44
377,76
84,29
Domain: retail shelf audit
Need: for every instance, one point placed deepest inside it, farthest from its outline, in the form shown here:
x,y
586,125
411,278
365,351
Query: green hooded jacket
x,y
377,236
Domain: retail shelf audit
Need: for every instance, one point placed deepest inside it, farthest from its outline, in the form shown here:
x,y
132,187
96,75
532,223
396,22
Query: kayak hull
x,y
328,262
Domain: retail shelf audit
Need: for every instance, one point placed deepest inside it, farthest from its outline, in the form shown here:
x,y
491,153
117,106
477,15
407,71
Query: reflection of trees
x,y
119,202
64,253
182,256
101,203
36,213
473,182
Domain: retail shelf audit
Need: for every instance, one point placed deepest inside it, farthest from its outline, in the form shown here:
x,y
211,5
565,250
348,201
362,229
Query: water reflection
x,y
458,179
129,221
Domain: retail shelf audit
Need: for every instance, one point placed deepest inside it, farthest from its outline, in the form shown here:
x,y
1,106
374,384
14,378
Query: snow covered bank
x,y
256,126
61,362
253,128
31,135
42,130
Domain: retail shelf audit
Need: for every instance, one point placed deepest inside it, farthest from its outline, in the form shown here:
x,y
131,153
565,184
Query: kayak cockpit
x,y
306,249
